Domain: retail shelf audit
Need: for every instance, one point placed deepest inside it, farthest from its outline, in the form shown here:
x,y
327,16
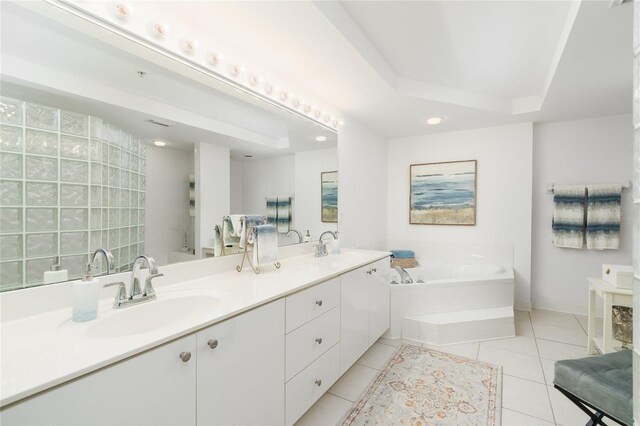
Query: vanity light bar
x,y
275,96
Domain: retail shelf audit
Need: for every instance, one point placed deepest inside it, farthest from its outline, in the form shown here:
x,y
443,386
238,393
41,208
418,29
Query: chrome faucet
x,y
107,255
297,232
321,248
135,294
405,278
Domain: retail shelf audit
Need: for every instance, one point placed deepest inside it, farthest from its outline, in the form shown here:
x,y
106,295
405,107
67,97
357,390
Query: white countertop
x,y
42,351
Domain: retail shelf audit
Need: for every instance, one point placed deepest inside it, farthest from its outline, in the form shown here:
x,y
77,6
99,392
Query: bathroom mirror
x,y
101,148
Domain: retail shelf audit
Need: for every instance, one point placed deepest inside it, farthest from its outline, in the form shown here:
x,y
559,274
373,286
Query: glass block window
x,y
69,184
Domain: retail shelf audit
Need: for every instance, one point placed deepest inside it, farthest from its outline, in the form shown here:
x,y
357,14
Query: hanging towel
x,y
279,213
272,210
284,215
568,216
230,235
603,216
265,249
248,222
217,242
403,254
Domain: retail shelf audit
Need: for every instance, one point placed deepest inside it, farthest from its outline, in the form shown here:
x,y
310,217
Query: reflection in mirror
x,y
138,159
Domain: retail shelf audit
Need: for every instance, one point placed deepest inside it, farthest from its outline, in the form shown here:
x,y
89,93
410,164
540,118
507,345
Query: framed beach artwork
x,y
329,196
443,193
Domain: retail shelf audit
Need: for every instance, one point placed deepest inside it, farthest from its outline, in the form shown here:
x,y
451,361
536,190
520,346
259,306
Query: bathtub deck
x,y
461,326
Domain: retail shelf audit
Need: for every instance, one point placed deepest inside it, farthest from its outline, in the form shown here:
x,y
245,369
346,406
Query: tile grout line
x,y
553,414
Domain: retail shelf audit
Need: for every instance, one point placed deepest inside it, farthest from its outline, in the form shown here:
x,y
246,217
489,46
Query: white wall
x,y
504,176
266,178
212,164
588,151
236,186
307,212
167,201
362,187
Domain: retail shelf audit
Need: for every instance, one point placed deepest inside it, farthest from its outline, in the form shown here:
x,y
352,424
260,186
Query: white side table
x,y
611,296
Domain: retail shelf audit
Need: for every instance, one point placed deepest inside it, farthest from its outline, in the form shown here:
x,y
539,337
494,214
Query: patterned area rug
x,y
425,387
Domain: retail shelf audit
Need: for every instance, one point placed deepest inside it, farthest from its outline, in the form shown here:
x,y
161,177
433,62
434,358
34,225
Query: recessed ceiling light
x,y
321,138
159,143
432,121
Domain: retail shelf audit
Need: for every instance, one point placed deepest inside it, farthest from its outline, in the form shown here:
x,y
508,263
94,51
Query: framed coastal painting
x,y
443,193
329,196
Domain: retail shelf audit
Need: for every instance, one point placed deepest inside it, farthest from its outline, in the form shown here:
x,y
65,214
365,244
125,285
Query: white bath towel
x,y
217,242
568,216
230,235
248,222
265,249
603,216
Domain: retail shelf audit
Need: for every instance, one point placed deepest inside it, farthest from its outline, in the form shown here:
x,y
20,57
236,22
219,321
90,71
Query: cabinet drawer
x,y
308,304
308,342
307,387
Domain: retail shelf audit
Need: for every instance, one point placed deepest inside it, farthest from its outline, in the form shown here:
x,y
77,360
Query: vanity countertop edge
x,y
44,360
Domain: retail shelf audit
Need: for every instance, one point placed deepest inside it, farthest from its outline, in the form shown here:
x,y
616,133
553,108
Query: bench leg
x,y
595,416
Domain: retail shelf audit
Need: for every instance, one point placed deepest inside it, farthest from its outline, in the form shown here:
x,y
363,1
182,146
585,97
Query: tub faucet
x,y
107,255
297,232
321,248
405,278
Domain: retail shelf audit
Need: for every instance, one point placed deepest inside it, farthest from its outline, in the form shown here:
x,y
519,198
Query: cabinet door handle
x,y
213,343
318,382
319,302
185,356
319,340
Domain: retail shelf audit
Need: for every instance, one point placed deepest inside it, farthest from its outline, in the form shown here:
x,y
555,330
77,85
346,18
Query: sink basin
x,y
151,316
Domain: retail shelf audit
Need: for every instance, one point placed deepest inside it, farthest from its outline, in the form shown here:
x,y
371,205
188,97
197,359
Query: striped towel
x,y
279,213
272,210
568,216
284,215
248,222
603,216
265,250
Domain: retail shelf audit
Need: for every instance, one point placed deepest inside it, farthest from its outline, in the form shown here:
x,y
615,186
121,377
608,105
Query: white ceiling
x,y
390,64
502,49
476,63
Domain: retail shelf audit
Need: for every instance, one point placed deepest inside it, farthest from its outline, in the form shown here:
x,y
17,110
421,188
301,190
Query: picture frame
x,y
443,193
329,197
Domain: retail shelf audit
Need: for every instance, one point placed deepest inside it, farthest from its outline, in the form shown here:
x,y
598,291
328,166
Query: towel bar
x,y
625,186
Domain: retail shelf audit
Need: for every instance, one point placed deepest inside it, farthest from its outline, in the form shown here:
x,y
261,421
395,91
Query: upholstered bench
x,y
602,383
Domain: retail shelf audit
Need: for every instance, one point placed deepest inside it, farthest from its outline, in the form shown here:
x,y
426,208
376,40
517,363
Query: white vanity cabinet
x,y
241,369
364,310
155,387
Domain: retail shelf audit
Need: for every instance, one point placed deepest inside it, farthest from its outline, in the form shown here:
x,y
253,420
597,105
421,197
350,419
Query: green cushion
x,y
604,381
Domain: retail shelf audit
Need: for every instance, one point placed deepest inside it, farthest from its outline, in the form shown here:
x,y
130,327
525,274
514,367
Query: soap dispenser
x,y
306,237
85,296
55,275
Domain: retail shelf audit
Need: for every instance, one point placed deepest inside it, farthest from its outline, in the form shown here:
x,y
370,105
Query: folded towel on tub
x,y
265,249
403,254
247,223
568,216
603,216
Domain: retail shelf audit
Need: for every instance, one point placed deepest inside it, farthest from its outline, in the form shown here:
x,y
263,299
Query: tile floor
x,y
528,396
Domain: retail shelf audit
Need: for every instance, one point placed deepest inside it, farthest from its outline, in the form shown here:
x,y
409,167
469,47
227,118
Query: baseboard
x,y
559,306
522,305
